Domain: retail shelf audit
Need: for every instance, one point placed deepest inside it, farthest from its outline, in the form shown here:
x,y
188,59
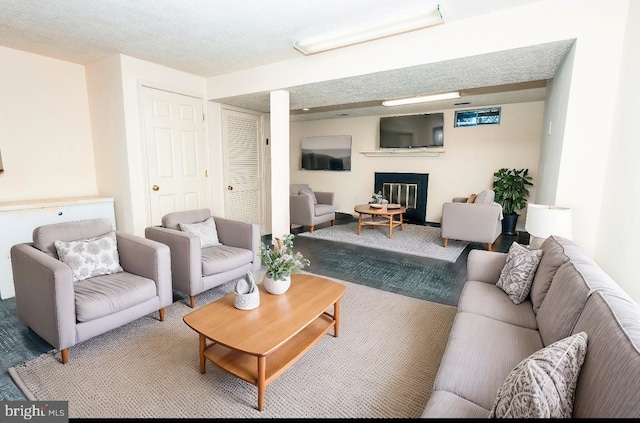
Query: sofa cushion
x,y
173,220
608,383
309,192
222,258
480,354
90,257
553,256
518,272
294,189
572,285
206,231
447,405
486,299
45,236
485,197
103,295
322,209
543,384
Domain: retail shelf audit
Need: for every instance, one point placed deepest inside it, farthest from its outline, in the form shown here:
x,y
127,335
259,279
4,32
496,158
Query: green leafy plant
x,y
377,196
510,187
280,259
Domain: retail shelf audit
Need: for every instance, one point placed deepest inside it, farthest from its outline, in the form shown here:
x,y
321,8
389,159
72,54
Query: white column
x,y
280,219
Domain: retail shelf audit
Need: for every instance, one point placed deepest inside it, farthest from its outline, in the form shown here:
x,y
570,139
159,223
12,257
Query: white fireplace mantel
x,y
404,152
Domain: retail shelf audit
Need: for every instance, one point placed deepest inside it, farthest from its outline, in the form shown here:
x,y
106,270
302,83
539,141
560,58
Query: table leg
x,y
390,226
359,222
400,221
203,346
336,318
262,364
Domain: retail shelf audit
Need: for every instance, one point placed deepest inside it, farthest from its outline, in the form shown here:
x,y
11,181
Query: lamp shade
x,y
543,221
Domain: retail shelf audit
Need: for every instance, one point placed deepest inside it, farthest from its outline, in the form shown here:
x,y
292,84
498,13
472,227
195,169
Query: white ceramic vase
x,y
276,287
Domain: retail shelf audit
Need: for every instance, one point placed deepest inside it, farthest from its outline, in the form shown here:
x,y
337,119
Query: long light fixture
x,y
421,99
409,20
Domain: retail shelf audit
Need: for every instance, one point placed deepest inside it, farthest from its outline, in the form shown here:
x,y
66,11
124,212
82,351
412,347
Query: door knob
x,y
229,187
155,187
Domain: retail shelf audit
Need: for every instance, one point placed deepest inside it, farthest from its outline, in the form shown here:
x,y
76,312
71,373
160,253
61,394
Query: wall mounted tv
x,y
412,131
326,153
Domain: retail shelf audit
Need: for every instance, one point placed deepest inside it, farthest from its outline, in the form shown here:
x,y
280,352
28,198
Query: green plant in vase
x,y
511,192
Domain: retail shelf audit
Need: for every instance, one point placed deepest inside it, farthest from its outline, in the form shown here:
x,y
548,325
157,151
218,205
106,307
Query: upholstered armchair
x,y
207,251
80,279
472,219
310,208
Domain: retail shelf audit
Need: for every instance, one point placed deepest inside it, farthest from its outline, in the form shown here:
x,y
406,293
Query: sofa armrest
x,y
459,199
149,259
186,257
485,266
325,198
44,295
301,210
239,234
471,222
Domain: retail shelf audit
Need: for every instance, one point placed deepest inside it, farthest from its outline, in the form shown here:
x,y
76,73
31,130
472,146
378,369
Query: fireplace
x,y
407,189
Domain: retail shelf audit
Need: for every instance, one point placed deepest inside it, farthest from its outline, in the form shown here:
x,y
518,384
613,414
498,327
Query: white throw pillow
x,y
543,385
206,231
90,257
517,274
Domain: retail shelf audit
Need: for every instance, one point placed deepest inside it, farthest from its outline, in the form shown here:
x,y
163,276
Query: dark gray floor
x,y
418,277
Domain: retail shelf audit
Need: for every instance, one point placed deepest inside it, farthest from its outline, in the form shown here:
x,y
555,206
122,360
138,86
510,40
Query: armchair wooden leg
x,y
161,311
311,228
65,355
333,222
489,246
444,242
192,300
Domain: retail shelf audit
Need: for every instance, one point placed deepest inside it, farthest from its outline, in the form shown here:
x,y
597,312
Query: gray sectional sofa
x,y
491,335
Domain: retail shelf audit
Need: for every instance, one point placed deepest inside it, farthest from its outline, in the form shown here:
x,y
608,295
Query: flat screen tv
x,y
326,153
412,131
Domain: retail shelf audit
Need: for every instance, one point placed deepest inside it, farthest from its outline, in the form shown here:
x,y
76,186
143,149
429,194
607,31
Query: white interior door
x,y
241,142
176,153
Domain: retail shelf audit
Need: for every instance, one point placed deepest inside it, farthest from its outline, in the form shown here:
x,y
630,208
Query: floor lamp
x,y
543,221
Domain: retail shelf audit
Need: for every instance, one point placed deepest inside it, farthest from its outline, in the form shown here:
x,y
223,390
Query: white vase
x,y
276,287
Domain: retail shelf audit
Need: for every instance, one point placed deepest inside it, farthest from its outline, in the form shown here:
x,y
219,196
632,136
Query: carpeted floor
x,y
415,240
149,369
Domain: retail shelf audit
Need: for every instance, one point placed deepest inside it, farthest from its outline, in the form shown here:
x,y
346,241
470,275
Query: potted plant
x,y
511,192
281,262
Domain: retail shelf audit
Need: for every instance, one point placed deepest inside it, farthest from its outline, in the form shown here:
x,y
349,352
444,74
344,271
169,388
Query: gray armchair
x,y
310,208
64,312
479,221
195,269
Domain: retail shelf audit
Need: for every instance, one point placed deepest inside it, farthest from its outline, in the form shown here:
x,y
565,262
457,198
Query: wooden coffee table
x,y
260,344
387,213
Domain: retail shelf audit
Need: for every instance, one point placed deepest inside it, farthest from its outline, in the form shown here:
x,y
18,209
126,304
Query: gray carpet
x,y
382,365
416,240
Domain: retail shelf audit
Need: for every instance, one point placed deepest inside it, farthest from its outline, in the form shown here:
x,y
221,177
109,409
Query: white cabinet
x,y
19,219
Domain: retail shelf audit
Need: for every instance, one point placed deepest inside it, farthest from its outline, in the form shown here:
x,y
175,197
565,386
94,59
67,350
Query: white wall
x,y
45,132
471,156
618,248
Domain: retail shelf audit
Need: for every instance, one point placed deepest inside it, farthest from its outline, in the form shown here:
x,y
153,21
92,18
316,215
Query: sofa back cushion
x,y
485,197
572,285
608,381
173,220
294,189
45,236
553,256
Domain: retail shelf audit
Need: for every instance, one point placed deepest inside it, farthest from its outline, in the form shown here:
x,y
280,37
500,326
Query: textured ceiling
x,y
210,38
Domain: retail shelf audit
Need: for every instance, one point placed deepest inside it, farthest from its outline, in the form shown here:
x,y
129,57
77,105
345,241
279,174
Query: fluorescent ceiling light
x,y
406,21
422,99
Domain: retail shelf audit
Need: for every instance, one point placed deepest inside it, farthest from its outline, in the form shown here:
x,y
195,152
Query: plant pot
x,y
276,287
509,224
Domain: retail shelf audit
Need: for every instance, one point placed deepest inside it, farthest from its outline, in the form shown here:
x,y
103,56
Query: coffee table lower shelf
x,y
262,370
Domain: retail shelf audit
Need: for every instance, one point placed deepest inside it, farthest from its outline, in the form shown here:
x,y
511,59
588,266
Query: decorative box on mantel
x,y
18,219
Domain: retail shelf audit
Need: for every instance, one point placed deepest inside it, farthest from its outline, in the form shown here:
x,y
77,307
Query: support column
x,y
280,163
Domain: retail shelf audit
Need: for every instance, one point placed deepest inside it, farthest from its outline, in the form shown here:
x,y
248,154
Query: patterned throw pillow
x,y
518,272
310,193
90,257
543,385
206,231
471,198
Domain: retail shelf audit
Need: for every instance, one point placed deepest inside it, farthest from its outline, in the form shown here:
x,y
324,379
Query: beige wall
x,y
471,156
45,132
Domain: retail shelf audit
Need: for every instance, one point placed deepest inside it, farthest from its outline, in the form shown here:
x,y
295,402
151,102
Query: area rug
x,y
382,365
417,240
